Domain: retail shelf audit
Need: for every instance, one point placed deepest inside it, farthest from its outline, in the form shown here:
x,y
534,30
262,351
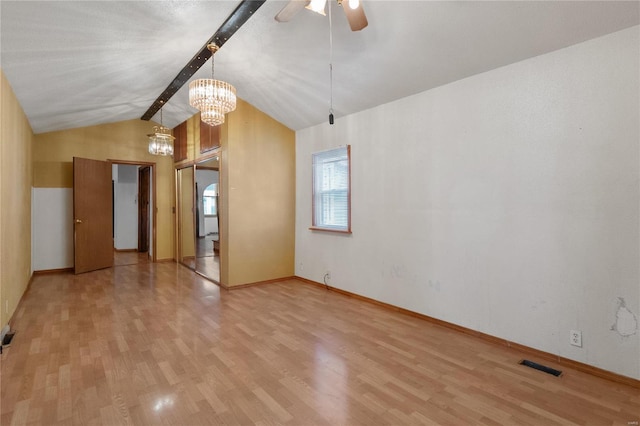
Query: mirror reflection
x,y
207,219
186,246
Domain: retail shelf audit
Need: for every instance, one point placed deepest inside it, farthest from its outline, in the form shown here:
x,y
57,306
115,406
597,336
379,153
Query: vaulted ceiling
x,y
81,63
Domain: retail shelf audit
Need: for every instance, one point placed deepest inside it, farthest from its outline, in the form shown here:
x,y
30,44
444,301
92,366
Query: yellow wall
x,y
257,179
53,154
15,201
257,195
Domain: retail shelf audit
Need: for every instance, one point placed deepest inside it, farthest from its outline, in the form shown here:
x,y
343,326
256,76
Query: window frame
x,y
215,202
314,224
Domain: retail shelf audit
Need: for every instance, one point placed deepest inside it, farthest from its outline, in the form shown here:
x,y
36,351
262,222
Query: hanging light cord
x,y
330,66
213,48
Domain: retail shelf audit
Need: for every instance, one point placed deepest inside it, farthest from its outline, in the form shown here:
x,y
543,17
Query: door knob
x,y
78,221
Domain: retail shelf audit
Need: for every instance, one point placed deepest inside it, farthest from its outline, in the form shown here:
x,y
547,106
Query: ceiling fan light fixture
x,y
317,6
161,140
214,98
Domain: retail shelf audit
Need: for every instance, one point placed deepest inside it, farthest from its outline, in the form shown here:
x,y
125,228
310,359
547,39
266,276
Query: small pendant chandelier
x,y
214,98
161,140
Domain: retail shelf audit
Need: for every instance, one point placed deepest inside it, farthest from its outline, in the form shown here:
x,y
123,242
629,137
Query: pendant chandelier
x,y
214,98
161,140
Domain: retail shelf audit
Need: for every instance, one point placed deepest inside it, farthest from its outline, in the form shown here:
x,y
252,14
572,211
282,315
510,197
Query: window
x,y
332,190
209,200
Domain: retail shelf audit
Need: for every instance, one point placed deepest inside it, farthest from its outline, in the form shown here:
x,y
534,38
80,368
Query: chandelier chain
x,y
212,64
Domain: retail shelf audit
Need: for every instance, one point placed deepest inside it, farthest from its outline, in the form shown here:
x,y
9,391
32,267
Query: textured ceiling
x,y
81,63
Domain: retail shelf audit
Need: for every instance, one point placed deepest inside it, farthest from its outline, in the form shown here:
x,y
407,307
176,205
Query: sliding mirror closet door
x,y
185,185
207,226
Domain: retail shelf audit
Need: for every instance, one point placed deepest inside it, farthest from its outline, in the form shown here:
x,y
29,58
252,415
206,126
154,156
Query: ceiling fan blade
x,y
356,17
290,10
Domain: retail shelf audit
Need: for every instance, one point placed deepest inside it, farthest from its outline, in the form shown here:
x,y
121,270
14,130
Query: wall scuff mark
x,y
626,323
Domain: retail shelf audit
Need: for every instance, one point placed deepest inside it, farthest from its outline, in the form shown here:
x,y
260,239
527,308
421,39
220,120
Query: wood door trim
x,y
131,163
144,178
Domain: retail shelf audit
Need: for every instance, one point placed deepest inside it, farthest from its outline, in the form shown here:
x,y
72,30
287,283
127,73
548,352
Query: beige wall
x,y
53,154
257,184
257,195
15,201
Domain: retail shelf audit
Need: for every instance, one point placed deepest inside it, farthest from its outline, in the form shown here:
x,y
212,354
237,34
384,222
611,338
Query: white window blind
x,y
331,189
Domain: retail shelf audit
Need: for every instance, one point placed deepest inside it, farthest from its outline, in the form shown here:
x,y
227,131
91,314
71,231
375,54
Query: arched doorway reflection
x,y
207,219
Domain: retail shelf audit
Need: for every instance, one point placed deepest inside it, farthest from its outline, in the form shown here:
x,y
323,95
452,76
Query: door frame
x,y
144,174
154,197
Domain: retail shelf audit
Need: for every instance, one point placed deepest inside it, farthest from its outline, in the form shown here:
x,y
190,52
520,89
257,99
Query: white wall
x,y
210,225
125,206
507,202
52,228
52,220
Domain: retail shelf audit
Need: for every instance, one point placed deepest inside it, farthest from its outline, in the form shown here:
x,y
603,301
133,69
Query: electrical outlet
x,y
575,338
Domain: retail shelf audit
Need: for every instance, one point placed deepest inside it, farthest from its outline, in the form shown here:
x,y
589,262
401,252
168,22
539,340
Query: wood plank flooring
x,y
123,258
157,344
207,262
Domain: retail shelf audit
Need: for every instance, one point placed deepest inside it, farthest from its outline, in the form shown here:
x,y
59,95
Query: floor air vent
x,y
6,340
541,367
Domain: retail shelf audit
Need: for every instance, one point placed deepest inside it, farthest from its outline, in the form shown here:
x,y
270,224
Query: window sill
x,y
336,231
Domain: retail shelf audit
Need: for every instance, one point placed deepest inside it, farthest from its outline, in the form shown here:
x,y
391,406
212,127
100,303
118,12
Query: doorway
x,y
133,212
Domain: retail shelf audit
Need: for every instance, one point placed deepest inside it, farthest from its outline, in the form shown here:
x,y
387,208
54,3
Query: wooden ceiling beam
x,y
238,17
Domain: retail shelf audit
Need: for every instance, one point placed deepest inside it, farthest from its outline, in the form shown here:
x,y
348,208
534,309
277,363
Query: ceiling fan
x,y
353,9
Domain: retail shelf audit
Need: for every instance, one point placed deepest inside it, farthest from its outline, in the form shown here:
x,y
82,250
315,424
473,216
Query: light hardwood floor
x,y
207,262
157,344
123,258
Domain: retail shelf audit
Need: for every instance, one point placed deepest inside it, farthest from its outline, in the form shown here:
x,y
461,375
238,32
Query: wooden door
x,y
180,143
209,137
92,212
144,174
